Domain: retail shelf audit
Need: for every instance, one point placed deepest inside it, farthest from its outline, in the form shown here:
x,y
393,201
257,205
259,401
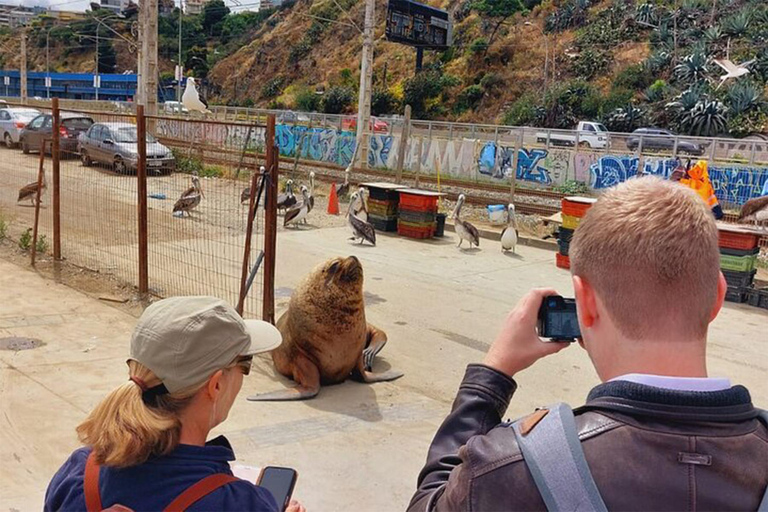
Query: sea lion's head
x,y
343,272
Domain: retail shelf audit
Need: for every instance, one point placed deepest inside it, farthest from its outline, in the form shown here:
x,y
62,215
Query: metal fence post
x,y
40,180
141,177
56,159
404,136
270,222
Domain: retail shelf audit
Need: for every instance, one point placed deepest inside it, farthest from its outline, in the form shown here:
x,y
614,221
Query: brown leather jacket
x,y
648,449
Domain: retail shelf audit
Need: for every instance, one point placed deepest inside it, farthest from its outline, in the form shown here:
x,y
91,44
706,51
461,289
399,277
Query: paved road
x,y
356,447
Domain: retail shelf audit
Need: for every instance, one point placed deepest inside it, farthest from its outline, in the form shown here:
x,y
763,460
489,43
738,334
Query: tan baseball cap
x,y
185,340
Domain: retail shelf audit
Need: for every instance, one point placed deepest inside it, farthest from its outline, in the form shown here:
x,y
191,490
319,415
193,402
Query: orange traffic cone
x,y
333,201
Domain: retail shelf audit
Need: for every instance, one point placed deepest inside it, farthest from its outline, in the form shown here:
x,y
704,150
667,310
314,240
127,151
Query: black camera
x,y
558,320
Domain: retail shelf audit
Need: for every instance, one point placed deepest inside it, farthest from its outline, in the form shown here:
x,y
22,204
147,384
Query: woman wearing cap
x,y
145,443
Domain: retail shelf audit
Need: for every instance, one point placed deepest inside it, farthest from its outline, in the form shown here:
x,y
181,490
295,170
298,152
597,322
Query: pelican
x,y
509,234
190,198
464,229
287,198
360,208
192,99
245,195
298,212
343,189
732,70
311,191
30,191
755,210
360,229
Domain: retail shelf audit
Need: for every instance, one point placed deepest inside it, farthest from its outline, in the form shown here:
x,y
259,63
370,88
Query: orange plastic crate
x,y
731,240
562,261
413,232
417,202
575,209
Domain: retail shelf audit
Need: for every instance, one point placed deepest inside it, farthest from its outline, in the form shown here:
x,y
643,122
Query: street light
x,y
546,52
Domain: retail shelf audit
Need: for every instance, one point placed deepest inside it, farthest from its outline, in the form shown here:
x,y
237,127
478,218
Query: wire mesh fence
x,y
196,231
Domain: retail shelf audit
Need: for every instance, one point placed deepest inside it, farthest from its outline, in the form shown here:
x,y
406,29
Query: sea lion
x,y
326,338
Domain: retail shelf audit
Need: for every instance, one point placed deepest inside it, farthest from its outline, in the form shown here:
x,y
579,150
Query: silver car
x,y
116,145
12,121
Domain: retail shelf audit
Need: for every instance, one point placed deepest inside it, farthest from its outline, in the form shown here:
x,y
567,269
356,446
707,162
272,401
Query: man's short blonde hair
x,y
648,247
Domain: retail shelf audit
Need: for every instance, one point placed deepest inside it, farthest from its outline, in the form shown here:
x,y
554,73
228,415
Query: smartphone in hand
x,y
280,482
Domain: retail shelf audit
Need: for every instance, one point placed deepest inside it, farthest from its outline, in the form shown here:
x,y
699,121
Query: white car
x,y
12,121
174,107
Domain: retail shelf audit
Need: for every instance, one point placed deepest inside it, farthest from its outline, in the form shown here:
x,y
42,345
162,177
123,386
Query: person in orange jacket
x,y
697,178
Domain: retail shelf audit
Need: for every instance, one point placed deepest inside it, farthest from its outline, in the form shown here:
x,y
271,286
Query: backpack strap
x,y
763,416
198,491
91,485
552,451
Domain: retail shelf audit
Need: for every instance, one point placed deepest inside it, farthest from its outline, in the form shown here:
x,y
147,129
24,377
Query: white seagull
x,y
192,99
732,70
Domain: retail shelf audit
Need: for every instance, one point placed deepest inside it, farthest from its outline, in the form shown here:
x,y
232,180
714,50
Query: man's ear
x,y
214,384
722,287
586,304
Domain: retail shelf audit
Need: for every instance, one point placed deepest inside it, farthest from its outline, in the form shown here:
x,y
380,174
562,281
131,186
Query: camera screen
x,y
564,324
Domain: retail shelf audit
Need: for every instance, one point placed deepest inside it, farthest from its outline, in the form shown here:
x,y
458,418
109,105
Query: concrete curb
x,y
492,234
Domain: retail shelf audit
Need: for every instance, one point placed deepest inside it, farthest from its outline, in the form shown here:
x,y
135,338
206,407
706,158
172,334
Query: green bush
x,y
25,240
273,87
307,100
337,99
572,187
468,98
490,81
747,123
383,102
523,112
42,244
425,86
186,164
589,63
633,77
479,45
3,228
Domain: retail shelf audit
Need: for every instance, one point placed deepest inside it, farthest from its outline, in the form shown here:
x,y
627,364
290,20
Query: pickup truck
x,y
592,135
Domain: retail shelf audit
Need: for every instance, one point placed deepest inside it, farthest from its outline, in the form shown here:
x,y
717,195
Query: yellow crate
x,y
571,222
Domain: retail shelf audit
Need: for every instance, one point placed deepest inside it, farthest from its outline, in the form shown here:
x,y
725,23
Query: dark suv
x,y
656,138
41,128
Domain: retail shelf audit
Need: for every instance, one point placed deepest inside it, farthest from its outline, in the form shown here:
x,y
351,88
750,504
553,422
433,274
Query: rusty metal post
x,y
141,178
404,136
40,179
248,236
270,222
56,160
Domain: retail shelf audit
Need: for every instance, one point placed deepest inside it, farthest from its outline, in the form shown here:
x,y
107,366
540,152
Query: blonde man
x,y
658,433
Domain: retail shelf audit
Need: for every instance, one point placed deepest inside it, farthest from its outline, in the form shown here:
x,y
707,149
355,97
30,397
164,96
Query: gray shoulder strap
x,y
553,454
763,504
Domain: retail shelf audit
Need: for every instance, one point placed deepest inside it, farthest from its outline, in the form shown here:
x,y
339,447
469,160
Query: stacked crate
x,y
418,213
573,210
738,262
383,205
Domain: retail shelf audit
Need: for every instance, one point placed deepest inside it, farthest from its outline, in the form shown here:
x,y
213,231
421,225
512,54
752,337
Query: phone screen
x,y
564,323
280,482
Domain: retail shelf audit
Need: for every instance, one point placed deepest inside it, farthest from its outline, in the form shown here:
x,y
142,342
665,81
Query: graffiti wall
x,y
220,135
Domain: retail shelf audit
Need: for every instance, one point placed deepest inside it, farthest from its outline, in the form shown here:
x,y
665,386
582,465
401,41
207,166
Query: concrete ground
x,y
356,446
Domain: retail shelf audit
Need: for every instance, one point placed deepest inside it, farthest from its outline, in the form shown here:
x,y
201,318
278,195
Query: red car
x,y
377,125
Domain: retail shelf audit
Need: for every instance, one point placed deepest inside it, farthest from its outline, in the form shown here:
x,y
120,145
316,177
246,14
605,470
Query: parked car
x,y
116,145
174,107
12,121
591,134
376,125
41,128
656,138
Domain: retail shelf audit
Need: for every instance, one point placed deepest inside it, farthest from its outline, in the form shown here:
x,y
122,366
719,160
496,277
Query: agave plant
x,y
686,100
693,68
695,5
625,119
658,60
707,118
646,14
713,34
655,92
738,24
743,97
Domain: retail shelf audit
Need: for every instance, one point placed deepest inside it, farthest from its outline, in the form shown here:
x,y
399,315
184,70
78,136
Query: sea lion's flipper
x,y
306,375
375,341
370,377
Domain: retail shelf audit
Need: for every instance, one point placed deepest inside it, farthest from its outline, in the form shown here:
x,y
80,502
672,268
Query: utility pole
x,y
148,12
23,70
366,85
96,82
47,64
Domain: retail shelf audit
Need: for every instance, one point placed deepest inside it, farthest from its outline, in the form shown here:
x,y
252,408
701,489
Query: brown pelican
x,y
190,198
464,229
245,195
360,228
509,235
30,191
343,189
298,212
755,210
360,208
287,198
311,202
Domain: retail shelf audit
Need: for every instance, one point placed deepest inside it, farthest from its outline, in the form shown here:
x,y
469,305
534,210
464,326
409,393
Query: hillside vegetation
x,y
628,63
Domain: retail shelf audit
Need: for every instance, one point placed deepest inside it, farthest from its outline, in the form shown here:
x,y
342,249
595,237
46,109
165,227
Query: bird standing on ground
x,y
343,189
464,229
360,229
509,234
732,70
755,210
30,191
190,198
298,212
192,99
360,209
287,198
311,191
